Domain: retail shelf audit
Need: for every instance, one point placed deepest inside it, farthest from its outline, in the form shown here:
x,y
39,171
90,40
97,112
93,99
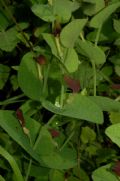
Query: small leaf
x,y
98,20
117,70
4,74
114,117
71,32
50,39
71,61
28,77
113,132
116,24
94,53
87,135
8,39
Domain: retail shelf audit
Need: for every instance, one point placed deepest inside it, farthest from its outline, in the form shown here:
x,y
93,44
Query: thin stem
x,y
62,96
98,35
82,37
40,76
38,139
94,78
51,120
67,140
28,170
57,41
46,77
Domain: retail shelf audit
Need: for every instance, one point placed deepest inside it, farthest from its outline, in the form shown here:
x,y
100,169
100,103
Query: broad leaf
x,y
103,173
60,9
71,32
106,104
98,20
78,106
56,175
11,125
44,11
94,53
113,132
93,8
46,152
28,77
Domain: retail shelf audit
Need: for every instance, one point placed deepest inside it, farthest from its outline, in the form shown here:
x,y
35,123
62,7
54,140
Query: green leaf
x,y
3,22
12,163
113,132
63,9
103,173
117,70
93,8
87,135
71,32
28,77
44,11
98,20
56,175
106,104
116,24
60,9
8,39
114,117
71,61
78,106
50,39
94,53
4,74
45,152
11,125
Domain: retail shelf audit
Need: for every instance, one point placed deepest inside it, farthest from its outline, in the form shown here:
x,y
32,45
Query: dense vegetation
x,y
60,90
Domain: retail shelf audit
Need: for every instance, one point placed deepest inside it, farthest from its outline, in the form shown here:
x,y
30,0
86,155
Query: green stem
x,y
98,35
67,140
28,170
94,78
62,96
40,76
51,120
82,37
12,163
60,53
46,77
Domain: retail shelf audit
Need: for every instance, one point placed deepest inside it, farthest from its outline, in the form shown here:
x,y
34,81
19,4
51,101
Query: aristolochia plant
x,y
59,82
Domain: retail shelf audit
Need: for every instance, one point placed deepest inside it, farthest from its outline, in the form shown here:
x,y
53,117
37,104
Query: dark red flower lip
x,y
72,83
41,59
116,168
54,133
